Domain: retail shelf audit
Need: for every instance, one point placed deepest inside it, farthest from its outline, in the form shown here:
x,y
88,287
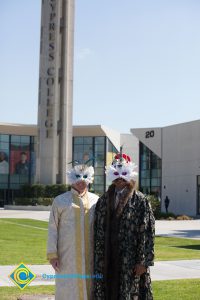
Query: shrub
x,y
39,194
166,216
155,204
34,190
184,217
45,201
43,191
53,190
170,218
33,201
26,201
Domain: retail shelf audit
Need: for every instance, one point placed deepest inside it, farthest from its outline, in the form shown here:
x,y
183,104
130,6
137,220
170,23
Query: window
x,y
99,148
92,149
101,152
15,139
150,172
4,138
78,140
99,140
17,160
87,141
99,171
25,139
99,179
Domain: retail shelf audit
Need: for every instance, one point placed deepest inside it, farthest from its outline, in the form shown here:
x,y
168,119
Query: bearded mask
x,y
122,167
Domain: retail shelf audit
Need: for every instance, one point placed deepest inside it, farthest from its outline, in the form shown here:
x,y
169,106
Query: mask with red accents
x,y
122,167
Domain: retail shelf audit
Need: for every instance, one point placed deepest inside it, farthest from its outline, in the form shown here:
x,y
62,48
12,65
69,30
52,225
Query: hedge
x,y
33,201
43,191
155,204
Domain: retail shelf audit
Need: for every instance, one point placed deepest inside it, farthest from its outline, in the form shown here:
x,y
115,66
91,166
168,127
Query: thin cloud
x,y
84,53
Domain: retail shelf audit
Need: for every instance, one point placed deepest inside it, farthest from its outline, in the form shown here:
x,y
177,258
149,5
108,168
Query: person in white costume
x,y
70,237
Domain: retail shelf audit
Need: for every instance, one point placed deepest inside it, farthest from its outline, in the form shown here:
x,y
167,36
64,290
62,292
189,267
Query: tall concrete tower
x,y
55,91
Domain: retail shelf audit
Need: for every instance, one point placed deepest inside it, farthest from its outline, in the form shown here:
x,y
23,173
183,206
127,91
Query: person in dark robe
x,y
167,203
124,230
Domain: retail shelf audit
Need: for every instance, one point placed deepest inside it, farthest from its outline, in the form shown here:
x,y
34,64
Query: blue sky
x,y
136,63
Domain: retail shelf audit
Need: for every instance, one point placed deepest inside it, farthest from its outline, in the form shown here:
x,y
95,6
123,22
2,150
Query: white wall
x,y
179,148
180,166
151,137
131,147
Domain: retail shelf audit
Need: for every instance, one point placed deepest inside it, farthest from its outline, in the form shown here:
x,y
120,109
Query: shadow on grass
x,y
191,247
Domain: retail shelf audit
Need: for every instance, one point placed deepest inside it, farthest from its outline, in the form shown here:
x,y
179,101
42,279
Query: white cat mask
x,y
122,167
81,172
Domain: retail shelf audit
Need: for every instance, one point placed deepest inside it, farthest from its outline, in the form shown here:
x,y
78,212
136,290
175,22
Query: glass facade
x,y
100,151
17,163
150,172
110,153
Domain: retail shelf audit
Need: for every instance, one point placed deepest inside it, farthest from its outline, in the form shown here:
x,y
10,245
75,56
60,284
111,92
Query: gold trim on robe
x,y
69,236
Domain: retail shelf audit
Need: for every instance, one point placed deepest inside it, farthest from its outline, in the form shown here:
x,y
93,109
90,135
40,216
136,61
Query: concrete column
x,y
55,91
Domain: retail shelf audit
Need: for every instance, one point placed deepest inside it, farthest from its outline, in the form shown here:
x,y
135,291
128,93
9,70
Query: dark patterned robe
x,y
123,237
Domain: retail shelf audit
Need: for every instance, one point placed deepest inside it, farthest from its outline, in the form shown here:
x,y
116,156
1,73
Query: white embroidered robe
x,y
70,238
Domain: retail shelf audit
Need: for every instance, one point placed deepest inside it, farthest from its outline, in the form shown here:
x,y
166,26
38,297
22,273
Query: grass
x,y
163,290
23,243
24,240
184,289
169,248
13,293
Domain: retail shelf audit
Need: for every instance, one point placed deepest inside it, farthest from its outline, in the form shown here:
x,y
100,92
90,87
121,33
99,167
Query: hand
x,y
55,264
139,269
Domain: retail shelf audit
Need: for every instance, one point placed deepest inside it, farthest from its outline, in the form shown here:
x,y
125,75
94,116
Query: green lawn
x,y
168,248
187,289
24,240
13,293
23,243
163,290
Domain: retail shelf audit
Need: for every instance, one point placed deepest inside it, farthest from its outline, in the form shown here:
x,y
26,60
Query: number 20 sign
x,y
149,134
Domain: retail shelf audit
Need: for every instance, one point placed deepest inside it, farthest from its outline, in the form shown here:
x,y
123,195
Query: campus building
x,y
101,144
19,155
17,159
169,165
168,160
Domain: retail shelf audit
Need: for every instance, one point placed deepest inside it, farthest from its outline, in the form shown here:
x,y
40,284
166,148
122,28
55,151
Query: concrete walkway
x,y
25,214
181,229
181,269
163,270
